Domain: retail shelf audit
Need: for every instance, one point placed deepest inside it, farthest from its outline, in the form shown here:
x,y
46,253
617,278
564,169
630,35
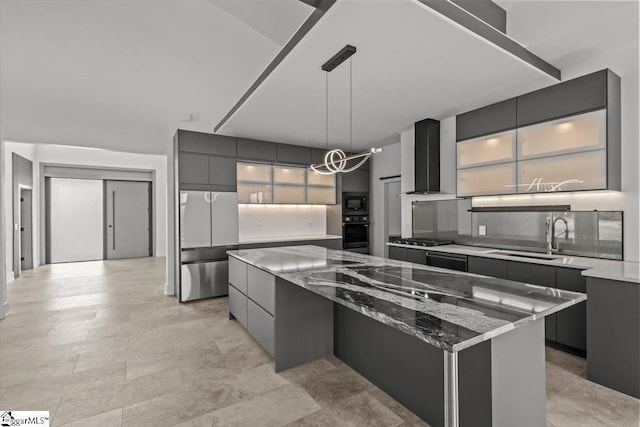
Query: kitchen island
x,y
455,348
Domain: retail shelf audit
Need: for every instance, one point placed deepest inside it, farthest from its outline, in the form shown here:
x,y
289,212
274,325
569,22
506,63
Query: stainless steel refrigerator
x,y
208,228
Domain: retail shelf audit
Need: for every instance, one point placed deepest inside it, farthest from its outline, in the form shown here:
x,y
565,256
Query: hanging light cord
x,y
326,86
351,104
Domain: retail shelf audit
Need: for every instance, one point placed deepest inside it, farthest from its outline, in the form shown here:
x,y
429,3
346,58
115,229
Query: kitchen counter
x,y
625,271
276,239
449,310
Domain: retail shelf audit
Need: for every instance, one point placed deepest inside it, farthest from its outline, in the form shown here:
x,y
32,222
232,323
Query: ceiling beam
x,y
476,25
312,3
320,9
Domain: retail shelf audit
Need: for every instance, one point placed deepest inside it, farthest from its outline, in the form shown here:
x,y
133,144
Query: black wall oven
x,y
355,204
355,232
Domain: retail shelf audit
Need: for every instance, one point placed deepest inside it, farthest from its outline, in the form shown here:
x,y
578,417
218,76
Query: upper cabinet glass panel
x,y
487,180
254,172
574,134
497,148
288,175
572,172
314,178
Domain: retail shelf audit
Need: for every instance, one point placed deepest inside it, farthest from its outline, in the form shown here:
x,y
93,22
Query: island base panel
x,y
613,335
303,326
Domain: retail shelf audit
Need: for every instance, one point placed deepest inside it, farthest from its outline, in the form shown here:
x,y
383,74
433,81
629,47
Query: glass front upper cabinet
x,y
487,180
254,172
288,175
570,172
584,132
491,149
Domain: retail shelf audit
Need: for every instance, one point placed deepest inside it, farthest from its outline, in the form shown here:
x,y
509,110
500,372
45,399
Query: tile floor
x,y
98,344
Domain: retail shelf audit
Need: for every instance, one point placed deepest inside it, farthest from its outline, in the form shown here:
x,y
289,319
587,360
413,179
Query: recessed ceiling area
x,y
411,63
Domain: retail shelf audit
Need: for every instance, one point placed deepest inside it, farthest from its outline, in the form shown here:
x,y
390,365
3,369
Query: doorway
x,y
128,219
96,219
26,229
392,212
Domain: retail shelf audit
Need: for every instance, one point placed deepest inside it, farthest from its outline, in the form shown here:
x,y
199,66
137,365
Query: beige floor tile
x,y
587,404
274,408
74,407
260,379
105,419
360,410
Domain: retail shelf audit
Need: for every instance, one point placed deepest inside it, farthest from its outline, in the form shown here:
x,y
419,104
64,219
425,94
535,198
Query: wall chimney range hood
x,y
427,157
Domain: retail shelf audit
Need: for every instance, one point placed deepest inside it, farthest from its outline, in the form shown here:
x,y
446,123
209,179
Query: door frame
x,y
385,226
151,215
63,170
25,223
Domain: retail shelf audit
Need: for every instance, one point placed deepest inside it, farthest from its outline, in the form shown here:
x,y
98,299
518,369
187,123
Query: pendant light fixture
x,y
336,160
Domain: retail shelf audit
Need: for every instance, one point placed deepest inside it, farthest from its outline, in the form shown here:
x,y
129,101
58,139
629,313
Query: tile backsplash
x,y
585,233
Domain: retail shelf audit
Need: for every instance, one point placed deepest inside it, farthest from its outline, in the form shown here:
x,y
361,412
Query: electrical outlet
x,y
482,230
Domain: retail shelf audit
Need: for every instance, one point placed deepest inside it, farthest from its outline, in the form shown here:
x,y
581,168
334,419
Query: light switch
x,y
482,230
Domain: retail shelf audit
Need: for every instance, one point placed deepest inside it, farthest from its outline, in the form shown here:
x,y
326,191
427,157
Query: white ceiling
x,y
119,73
411,63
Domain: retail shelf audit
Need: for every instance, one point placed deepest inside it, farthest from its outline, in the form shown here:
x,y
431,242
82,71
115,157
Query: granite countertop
x,y
249,240
447,309
593,267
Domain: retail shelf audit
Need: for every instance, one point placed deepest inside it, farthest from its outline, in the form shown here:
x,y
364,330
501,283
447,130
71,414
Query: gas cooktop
x,y
422,242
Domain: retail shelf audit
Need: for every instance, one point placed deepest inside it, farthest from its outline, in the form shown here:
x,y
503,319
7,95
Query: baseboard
x,y
4,309
168,289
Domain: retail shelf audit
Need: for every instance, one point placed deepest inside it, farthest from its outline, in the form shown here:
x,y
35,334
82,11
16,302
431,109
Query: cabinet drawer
x,y
261,326
398,253
572,321
417,256
534,274
238,305
487,267
261,288
238,274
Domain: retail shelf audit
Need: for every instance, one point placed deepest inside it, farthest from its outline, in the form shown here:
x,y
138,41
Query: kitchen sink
x,y
526,255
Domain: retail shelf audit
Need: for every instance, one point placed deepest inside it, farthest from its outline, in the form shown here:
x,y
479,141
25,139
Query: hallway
x,y
97,343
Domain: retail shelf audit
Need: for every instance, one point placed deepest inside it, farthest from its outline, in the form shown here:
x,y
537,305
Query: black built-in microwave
x,y
355,204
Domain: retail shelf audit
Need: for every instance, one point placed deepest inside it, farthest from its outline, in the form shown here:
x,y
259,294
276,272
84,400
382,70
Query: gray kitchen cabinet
x,y
487,267
356,181
193,168
417,256
261,288
238,274
536,274
568,98
571,328
399,253
261,326
252,149
238,305
206,143
222,173
487,120
293,154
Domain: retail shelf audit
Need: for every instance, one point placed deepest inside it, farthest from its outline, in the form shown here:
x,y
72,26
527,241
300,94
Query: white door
x,y
128,229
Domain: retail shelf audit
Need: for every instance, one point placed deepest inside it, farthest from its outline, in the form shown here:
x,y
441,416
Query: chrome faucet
x,y
550,233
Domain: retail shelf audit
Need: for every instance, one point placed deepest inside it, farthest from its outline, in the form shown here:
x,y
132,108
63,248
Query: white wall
x,y
385,163
256,221
68,155
4,303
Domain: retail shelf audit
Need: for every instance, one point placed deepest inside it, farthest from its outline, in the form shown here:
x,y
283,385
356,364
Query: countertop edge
x,y
588,270
289,239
